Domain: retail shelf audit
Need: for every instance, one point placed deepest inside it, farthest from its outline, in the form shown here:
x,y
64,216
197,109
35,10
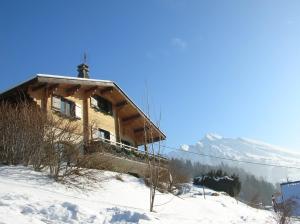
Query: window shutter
x,y
102,134
94,102
78,111
96,133
112,137
56,103
68,109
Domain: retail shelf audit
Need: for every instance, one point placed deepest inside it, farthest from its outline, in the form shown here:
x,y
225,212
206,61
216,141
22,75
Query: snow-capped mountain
x,y
244,149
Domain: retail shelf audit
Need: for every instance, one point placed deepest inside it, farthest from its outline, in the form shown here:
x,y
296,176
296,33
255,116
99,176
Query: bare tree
x,y
152,155
154,168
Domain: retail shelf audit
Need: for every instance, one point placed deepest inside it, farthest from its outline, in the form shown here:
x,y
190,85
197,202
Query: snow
x,y
274,147
185,147
72,78
213,136
31,197
244,149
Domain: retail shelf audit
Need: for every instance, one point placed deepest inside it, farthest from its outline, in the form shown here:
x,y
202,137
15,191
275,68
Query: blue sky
x,y
227,67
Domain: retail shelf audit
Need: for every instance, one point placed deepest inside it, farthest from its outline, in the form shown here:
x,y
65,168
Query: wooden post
x,y
44,99
119,129
85,120
117,125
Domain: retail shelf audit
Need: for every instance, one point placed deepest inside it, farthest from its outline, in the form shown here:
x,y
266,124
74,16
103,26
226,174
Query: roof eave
x,y
144,115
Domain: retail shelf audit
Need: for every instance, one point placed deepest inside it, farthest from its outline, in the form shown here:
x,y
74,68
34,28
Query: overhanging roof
x,y
57,79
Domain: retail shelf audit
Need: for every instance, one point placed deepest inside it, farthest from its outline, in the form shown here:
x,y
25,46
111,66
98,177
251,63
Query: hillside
x,y
31,197
245,150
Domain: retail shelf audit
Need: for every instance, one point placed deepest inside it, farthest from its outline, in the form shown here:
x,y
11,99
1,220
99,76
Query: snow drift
x,y
31,197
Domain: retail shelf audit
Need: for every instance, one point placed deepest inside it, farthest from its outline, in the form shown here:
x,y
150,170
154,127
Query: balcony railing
x,y
129,149
119,144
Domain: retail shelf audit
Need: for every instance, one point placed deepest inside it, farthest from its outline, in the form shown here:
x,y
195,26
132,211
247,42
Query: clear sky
x,y
227,67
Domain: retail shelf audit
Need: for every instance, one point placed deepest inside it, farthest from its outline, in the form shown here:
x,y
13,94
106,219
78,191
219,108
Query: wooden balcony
x,y
122,150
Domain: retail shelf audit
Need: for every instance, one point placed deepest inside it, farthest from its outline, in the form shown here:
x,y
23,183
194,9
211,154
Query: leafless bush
x,y
61,146
29,136
284,212
119,177
21,132
255,200
98,161
162,178
178,175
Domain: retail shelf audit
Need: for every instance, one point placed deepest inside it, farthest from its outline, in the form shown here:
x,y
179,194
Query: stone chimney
x,y
83,71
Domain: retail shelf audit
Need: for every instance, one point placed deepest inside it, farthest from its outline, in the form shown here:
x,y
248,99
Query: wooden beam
x,y
73,89
117,125
106,90
85,122
52,87
44,100
91,90
157,139
131,118
141,137
121,104
141,129
40,86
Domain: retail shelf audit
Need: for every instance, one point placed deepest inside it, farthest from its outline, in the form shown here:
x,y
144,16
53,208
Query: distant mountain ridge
x,y
244,149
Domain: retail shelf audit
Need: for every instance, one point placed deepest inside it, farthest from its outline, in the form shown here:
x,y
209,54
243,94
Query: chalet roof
x,y
58,79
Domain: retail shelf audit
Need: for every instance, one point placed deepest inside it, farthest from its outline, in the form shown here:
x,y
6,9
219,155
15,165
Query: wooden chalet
x,y
115,117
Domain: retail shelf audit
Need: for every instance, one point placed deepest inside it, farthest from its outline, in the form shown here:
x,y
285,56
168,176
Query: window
x,y
101,104
103,134
66,107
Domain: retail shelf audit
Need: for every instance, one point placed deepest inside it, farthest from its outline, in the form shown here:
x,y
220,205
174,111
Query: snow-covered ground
x,y
31,197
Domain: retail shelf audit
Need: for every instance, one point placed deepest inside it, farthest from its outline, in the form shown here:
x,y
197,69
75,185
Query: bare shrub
x,y
178,174
162,180
284,212
61,146
98,161
31,137
21,133
255,200
119,177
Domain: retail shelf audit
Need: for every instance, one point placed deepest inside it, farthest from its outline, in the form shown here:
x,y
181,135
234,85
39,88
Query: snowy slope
x,y
245,150
30,197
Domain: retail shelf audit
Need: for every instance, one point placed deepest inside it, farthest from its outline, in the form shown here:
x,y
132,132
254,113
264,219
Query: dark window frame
x,y
104,105
106,133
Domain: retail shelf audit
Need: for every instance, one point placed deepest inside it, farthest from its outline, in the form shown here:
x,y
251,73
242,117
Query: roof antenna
x,y
84,58
83,69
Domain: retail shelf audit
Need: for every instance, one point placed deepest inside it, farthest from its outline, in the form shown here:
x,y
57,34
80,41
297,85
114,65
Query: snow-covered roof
x,y
72,78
